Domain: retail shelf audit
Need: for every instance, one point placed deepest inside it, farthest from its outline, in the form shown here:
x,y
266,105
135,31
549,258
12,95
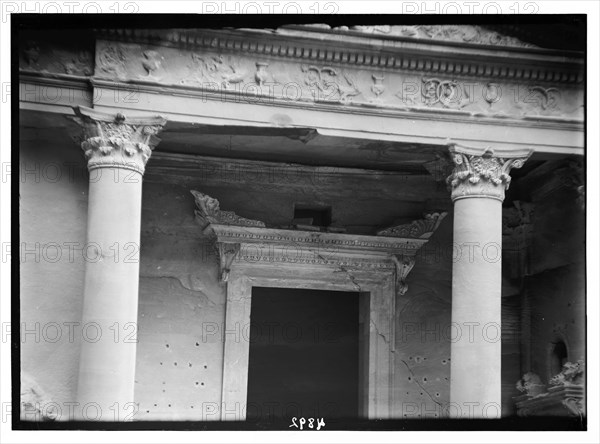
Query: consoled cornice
x,y
353,49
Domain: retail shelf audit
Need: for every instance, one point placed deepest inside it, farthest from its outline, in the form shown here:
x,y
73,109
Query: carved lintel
x,y
404,264
418,229
482,172
209,212
113,140
227,253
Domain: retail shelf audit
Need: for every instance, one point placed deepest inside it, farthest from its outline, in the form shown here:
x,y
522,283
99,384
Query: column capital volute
x,y
482,172
116,141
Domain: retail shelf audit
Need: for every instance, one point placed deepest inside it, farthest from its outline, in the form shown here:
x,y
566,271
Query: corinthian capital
x,y
482,172
112,140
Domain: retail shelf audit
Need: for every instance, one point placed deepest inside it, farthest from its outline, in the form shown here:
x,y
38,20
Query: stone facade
x,y
425,159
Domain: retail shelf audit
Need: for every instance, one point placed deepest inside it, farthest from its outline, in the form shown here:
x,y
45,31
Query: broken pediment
x,y
418,229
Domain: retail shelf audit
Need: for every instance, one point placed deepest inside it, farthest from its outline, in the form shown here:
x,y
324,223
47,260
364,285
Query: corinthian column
x,y
117,149
478,182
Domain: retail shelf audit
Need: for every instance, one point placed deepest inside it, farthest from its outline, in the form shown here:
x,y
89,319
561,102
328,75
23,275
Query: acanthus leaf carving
x,y
482,174
418,229
404,265
115,141
227,253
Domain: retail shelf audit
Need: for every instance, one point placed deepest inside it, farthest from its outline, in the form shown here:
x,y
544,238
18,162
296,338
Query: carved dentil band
x,y
482,173
115,141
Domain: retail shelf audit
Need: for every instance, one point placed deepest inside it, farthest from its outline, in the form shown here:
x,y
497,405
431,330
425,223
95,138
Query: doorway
x,y
304,355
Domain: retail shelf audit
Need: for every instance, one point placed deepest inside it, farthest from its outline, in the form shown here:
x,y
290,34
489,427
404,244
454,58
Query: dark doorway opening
x,y
304,356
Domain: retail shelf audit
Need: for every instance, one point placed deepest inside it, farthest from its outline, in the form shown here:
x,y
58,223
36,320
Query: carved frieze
x,y
111,59
480,173
445,92
378,87
329,84
300,74
418,229
115,141
217,70
152,61
40,56
446,33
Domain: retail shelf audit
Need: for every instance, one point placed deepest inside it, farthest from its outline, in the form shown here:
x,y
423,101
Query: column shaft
x,y
117,150
476,289
478,182
107,363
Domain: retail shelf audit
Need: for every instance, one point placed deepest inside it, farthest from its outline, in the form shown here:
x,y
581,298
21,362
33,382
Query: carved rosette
x,y
480,173
114,141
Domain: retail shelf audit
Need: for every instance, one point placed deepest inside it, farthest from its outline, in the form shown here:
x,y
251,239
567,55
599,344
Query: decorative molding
x,y
328,245
208,210
307,47
115,141
479,173
235,72
418,229
404,265
248,243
